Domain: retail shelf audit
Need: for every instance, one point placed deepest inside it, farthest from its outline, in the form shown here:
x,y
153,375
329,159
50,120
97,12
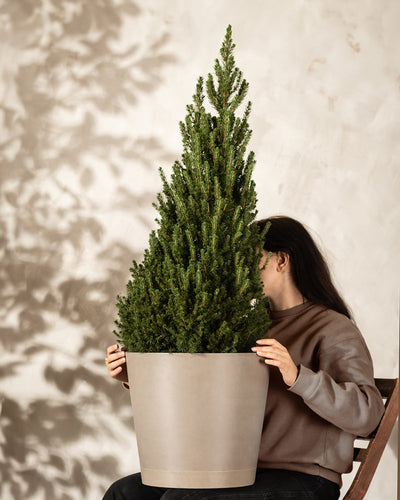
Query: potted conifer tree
x,y
194,306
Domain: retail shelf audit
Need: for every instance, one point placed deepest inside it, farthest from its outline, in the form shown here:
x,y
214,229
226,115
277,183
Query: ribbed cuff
x,y
304,385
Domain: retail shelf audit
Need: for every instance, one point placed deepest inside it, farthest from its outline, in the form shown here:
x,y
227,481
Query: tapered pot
x,y
198,417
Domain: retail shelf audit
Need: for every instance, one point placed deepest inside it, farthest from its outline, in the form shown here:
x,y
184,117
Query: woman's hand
x,y
276,354
116,363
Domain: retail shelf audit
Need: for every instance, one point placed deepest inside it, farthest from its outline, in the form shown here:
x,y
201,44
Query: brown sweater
x,y
310,427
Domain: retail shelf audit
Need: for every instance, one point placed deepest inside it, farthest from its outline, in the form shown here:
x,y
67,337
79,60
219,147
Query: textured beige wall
x,y
91,95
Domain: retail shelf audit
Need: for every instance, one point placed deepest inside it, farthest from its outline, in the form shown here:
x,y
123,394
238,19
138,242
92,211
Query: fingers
x,y
276,354
270,342
273,354
268,347
115,360
117,369
115,348
274,357
115,355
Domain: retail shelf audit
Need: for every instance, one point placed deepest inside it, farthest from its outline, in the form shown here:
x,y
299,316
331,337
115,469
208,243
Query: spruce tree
x,y
198,288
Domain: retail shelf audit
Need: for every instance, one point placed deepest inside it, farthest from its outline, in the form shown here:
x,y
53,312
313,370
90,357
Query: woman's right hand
x,y
116,363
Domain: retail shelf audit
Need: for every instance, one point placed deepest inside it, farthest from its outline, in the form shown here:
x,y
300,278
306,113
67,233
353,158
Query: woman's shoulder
x,y
327,315
310,320
335,328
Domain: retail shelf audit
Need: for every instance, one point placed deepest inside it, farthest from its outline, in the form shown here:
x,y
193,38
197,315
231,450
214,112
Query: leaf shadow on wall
x,y
74,73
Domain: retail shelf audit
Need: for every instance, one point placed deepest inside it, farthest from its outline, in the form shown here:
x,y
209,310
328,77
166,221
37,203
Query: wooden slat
x,y
371,455
359,454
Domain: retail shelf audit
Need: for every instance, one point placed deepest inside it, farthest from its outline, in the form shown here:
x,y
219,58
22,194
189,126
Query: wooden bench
x,y
369,457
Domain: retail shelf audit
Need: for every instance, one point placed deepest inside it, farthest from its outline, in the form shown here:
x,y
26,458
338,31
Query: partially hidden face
x,y
269,275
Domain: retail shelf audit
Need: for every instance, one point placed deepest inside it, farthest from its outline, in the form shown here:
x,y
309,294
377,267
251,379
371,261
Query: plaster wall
x,y
91,95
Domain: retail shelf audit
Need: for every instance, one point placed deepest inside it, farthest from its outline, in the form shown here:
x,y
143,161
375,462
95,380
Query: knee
x,y
123,488
192,494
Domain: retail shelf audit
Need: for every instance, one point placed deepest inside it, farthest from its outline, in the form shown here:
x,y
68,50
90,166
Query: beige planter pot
x,y
198,417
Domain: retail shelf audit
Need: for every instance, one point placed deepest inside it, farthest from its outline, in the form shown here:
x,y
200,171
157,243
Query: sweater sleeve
x,y
343,390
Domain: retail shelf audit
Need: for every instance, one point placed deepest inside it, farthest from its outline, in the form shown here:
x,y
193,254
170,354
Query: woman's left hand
x,y
276,354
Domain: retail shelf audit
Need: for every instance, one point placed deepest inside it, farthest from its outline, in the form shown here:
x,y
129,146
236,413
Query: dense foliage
x,y
198,288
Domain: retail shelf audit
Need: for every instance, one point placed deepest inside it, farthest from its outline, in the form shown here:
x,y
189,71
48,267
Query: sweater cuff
x,y
305,384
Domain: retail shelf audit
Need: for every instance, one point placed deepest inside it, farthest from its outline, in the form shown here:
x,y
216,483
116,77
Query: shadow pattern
x,y
72,69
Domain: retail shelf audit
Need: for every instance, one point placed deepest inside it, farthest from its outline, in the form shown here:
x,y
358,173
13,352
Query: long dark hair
x,y
310,272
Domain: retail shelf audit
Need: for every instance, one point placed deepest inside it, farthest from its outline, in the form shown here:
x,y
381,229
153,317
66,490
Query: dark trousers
x,y
270,484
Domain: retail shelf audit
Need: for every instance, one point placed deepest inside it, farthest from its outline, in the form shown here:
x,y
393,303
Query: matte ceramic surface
x,y
198,417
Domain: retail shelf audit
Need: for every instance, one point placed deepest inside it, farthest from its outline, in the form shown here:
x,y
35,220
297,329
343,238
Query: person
x,y
321,391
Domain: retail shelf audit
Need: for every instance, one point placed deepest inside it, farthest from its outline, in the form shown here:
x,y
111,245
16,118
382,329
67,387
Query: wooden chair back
x,y
369,457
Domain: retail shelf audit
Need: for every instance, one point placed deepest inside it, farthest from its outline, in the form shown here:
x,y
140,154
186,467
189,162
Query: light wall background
x,y
91,94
